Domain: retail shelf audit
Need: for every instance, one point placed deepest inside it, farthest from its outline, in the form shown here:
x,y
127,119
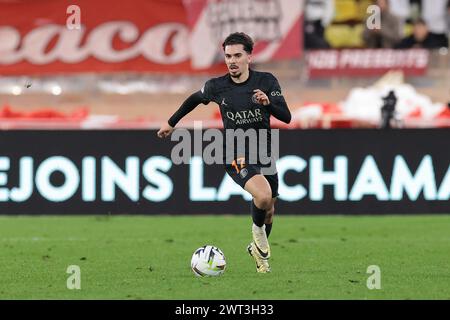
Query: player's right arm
x,y
201,96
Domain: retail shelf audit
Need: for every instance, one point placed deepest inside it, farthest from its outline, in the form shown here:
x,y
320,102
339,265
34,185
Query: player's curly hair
x,y
239,38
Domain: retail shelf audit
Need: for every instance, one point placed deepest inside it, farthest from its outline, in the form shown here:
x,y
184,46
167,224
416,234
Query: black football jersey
x,y
240,110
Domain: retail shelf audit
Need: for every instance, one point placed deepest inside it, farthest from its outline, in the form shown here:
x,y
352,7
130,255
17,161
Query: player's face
x,y
237,60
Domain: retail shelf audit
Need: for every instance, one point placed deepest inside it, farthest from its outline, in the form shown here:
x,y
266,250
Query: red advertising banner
x,y
138,35
37,37
366,62
275,26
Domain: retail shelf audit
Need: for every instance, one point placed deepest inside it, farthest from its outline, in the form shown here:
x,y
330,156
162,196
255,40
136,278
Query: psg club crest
x,y
243,173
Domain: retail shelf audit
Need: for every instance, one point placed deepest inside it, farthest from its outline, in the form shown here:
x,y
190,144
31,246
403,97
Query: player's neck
x,y
244,76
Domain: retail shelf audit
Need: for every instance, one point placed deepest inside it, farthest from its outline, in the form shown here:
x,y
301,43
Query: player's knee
x,y
263,200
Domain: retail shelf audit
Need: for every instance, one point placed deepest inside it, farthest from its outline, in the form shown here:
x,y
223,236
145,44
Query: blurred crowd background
x,y
404,24
337,77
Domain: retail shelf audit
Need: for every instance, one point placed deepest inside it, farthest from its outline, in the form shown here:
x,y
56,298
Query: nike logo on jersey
x,y
223,102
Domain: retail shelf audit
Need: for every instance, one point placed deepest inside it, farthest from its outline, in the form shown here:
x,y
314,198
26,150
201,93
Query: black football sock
x,y
268,229
258,215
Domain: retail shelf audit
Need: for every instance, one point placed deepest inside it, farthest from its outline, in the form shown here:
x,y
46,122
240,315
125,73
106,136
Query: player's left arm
x,y
274,100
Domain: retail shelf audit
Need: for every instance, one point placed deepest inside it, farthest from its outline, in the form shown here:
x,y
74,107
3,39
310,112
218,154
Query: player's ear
x,y
249,58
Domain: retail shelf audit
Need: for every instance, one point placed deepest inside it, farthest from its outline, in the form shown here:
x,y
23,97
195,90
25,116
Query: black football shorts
x,y
241,174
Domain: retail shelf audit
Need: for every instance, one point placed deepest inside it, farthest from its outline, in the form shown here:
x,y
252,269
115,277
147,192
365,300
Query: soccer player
x,y
247,99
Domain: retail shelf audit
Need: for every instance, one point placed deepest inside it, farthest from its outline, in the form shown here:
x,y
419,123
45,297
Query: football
x,y
208,261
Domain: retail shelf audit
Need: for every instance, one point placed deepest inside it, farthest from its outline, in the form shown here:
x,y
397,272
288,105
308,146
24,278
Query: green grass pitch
x,y
139,257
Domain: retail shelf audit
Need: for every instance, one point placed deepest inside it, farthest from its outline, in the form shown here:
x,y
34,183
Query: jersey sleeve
x,y
207,92
278,106
188,105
